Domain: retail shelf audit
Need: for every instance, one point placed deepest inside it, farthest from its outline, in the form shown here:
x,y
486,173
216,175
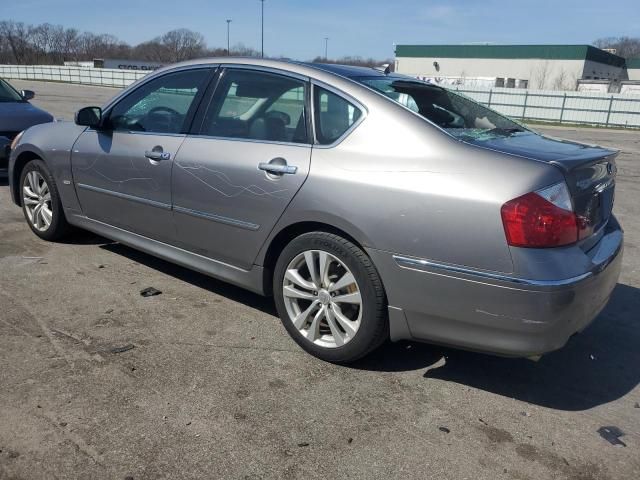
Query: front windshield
x,y
8,93
459,115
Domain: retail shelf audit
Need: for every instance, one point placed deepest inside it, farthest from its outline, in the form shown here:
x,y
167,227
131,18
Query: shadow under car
x,y
597,366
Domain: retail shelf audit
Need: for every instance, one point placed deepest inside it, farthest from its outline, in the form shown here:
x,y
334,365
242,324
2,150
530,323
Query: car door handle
x,y
152,155
277,169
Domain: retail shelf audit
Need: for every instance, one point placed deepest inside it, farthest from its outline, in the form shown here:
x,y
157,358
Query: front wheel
x,y
41,202
330,297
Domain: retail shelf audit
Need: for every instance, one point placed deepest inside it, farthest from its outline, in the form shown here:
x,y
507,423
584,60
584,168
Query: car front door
x,y
122,171
238,172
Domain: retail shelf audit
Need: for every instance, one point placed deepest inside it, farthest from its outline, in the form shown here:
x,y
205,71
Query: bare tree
x,y
627,47
16,36
48,43
153,51
70,44
54,44
559,82
92,46
183,44
539,75
241,50
356,61
462,78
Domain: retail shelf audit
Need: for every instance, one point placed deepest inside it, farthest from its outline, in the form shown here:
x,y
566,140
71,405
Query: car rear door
x,y
239,170
122,172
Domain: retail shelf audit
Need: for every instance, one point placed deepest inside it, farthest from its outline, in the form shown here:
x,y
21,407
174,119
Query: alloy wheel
x,y
36,198
322,298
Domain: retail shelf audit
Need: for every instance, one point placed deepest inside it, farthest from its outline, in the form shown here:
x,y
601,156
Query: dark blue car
x,y
16,115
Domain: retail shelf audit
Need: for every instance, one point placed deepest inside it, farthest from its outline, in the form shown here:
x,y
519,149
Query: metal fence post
x,y
524,107
609,112
490,95
564,101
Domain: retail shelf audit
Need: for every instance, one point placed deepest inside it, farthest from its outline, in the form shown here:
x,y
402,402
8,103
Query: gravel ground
x,y
214,388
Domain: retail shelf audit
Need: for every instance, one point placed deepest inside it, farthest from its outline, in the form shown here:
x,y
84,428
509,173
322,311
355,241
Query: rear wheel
x,y
330,297
41,202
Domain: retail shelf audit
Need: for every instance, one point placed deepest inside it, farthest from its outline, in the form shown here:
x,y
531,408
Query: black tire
x,y
374,324
59,227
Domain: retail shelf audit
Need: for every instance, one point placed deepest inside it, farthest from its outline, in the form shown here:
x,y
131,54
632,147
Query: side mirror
x,y
27,94
89,117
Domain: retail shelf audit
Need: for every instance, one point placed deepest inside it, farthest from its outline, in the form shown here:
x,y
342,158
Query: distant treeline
x,y
48,44
627,47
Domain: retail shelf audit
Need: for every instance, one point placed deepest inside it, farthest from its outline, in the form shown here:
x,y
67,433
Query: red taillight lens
x,y
533,221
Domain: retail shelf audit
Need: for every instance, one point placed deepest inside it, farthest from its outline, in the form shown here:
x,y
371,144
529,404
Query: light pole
x,y
228,42
326,47
262,23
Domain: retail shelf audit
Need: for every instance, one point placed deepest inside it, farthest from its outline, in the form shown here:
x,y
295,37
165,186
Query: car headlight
x,y
16,139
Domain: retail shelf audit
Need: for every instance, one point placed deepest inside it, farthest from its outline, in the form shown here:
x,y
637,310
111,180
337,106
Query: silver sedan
x,y
369,204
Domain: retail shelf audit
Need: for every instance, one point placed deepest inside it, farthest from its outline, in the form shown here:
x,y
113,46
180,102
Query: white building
x,y
633,68
540,67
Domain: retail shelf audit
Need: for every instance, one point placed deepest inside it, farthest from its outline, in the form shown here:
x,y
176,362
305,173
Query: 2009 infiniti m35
x,y
370,205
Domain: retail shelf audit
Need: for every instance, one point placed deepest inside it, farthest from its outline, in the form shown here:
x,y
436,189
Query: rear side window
x,y
256,105
333,115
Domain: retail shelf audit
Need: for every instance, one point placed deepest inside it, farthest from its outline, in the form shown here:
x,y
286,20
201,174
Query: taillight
x,y
543,218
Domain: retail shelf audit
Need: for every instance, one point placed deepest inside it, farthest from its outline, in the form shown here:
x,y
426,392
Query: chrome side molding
x,y
432,267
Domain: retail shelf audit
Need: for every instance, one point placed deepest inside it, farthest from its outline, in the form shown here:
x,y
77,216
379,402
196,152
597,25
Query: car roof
x,y
349,71
355,72
321,71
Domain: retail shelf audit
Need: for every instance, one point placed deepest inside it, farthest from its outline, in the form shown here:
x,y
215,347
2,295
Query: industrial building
x,y
540,67
633,69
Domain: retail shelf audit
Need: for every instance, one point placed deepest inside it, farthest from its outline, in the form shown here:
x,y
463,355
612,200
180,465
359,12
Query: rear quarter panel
x,y
399,184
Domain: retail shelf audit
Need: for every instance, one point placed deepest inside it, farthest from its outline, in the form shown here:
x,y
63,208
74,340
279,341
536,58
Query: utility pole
x,y
326,47
228,41
262,29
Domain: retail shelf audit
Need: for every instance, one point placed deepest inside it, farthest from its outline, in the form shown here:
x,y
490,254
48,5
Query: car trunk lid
x,y
590,173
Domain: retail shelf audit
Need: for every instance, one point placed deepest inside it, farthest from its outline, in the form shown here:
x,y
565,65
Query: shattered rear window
x,y
459,115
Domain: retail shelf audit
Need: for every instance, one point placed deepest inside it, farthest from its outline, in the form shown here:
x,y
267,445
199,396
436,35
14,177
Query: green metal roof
x,y
551,52
633,63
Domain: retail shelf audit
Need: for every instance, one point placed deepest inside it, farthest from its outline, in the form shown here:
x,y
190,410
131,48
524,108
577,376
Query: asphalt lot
x,y
214,387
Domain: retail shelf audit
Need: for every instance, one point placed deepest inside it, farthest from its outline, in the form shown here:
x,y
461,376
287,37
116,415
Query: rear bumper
x,y
495,313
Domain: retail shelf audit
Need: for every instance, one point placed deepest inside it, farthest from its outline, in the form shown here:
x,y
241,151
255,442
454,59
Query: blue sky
x,y
297,29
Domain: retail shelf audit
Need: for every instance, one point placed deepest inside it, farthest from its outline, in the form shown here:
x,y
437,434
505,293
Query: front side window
x,y
256,105
334,115
459,115
161,105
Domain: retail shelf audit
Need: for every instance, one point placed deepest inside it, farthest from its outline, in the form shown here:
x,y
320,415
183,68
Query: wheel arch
x,y
18,166
270,254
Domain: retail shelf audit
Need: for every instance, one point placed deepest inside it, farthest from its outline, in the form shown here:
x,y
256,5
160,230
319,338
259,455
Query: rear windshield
x,y
459,115
8,93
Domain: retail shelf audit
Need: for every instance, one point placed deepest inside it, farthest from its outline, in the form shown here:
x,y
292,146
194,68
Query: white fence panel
x,y
86,76
593,108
